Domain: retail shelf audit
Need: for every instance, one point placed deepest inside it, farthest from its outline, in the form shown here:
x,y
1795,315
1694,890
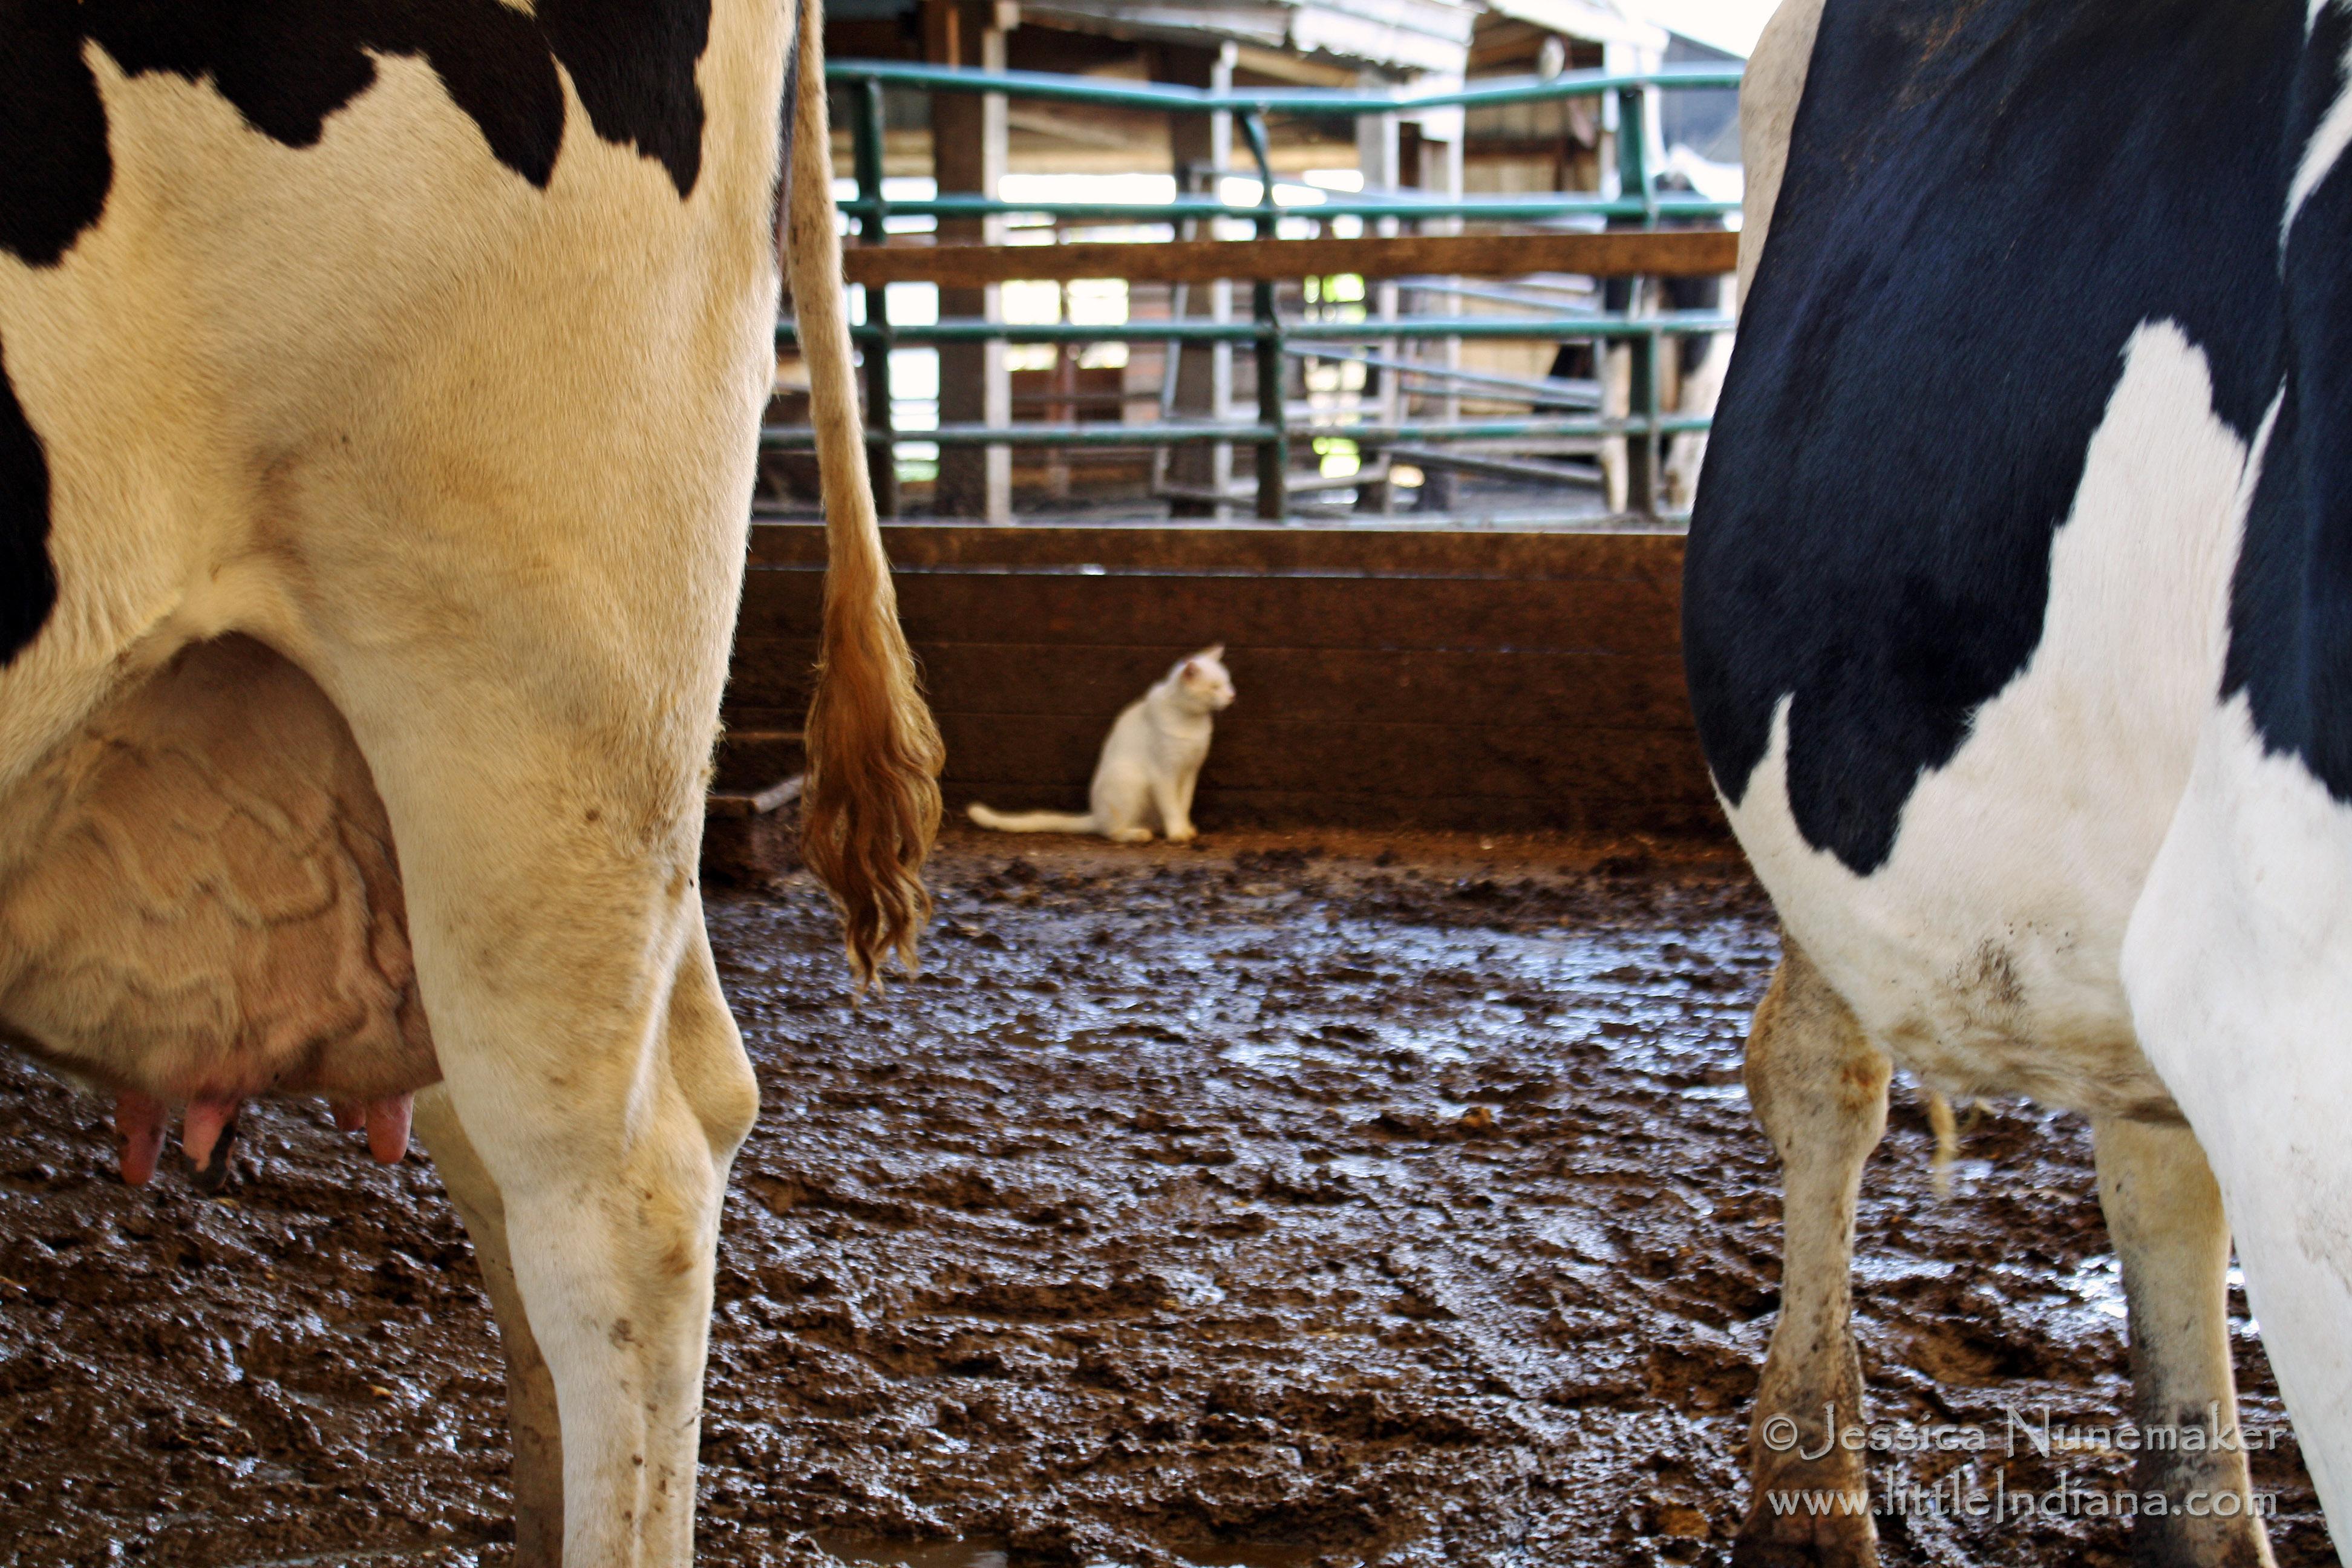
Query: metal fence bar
x,y
1470,209
801,438
1274,452
967,330
1500,429
1562,393
1642,334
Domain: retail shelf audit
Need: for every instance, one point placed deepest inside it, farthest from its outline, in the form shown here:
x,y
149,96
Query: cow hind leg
x,y
588,1058
2164,1212
1820,1089
531,1419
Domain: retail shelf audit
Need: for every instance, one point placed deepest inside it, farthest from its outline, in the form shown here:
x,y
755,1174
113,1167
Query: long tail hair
x,y
871,805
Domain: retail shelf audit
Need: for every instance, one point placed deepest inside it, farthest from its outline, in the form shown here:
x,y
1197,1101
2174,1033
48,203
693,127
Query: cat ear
x,y
1212,655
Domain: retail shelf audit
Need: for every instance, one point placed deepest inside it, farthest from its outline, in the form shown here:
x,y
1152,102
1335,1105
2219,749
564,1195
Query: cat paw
x,y
1130,836
1184,835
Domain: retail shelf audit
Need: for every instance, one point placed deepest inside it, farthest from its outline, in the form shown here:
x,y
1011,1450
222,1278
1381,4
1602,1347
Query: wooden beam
x,y
1673,253
1079,610
756,802
1459,680
1412,683
1550,555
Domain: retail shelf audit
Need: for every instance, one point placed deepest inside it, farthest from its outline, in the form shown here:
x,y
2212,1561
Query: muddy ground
x,y
1283,1203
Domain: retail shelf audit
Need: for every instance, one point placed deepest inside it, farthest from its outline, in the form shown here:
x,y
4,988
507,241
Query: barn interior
x,y
1452,568
1369,1184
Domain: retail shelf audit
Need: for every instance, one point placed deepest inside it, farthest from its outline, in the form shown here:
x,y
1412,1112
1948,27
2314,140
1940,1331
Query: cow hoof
x,y
211,1176
1849,1541
1748,1554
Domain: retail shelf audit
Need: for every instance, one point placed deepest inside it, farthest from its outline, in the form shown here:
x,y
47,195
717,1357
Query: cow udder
x,y
199,898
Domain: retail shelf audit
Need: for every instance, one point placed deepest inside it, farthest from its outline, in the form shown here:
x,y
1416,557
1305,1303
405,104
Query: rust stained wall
x,y
1388,678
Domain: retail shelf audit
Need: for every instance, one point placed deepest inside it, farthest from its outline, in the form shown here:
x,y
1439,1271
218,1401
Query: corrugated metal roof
x,y
1596,19
1397,35
1431,35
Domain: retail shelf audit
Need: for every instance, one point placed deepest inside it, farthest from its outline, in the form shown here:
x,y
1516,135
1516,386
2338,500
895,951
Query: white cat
x,y
1148,765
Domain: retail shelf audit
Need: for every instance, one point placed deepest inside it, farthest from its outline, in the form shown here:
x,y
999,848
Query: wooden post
x,y
1273,380
1201,146
1438,171
1061,408
968,158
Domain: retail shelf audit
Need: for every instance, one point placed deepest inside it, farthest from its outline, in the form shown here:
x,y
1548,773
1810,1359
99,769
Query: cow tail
x,y
871,803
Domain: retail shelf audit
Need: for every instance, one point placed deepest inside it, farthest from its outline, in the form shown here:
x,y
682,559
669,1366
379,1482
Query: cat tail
x,y
1033,821
871,803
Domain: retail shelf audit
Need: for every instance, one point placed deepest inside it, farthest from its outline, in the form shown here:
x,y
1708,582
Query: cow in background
x,y
1690,371
1701,362
376,442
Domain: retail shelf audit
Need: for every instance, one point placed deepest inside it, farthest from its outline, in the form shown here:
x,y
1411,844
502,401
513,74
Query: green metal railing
x,y
971,329
1273,431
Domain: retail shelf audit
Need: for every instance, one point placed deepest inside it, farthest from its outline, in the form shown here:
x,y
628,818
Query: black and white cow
x,y
2018,622
381,382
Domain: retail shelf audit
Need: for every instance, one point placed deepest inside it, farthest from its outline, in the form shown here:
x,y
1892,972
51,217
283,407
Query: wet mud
x,y
1288,1203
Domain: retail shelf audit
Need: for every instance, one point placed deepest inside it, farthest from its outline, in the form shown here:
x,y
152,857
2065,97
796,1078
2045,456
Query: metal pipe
x,y
965,330
1564,393
881,461
1106,433
1500,429
1274,452
1571,307
1583,473
800,437
1471,209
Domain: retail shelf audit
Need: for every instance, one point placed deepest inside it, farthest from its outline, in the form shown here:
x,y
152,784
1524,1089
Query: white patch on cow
x,y
1984,953
2327,143
2235,967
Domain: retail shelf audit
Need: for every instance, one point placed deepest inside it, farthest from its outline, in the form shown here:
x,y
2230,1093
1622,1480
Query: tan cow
x,y
376,441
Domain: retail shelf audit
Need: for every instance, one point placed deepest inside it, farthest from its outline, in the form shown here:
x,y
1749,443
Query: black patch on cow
x,y
287,66
633,62
2291,600
54,166
1982,203
28,583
